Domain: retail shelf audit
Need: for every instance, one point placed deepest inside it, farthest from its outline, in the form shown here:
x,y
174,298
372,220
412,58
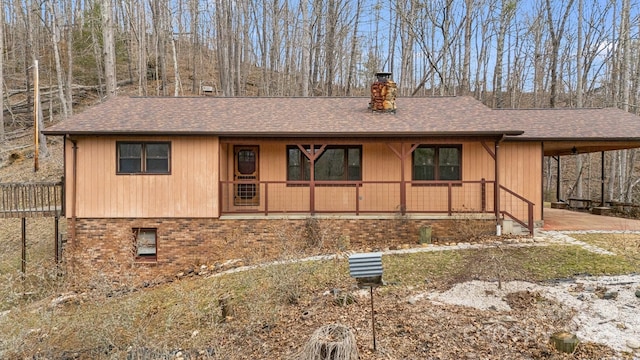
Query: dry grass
x,y
626,246
263,307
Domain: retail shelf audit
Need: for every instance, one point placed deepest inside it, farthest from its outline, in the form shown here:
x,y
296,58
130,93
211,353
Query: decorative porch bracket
x,y
312,155
402,155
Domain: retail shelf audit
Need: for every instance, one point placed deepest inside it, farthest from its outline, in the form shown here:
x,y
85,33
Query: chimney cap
x,y
383,76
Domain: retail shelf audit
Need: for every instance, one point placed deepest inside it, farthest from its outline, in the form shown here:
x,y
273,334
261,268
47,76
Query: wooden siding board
x,y
189,191
519,171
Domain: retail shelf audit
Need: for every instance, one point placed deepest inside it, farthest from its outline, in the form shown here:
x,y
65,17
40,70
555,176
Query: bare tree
x,y
109,52
55,34
465,87
507,11
305,48
556,32
2,84
354,50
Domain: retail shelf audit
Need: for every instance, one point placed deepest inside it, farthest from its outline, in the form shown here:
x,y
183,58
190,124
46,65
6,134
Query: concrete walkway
x,y
561,220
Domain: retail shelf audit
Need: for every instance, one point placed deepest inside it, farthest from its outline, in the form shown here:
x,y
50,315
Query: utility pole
x,y
36,111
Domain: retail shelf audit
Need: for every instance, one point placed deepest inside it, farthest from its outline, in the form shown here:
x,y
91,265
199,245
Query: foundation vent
x,y
383,93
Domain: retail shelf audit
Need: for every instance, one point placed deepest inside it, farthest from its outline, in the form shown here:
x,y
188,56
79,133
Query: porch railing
x,y
371,197
512,203
31,199
356,197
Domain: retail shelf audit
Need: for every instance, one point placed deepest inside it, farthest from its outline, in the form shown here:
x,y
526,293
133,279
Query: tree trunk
x,y
556,34
143,66
2,136
330,45
354,44
195,45
109,53
305,48
55,39
465,88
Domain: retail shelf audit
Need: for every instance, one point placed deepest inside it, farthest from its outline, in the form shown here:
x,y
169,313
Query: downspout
x,y
496,185
74,190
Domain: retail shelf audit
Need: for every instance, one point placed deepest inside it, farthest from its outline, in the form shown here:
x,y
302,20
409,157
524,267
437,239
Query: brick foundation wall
x,y
106,246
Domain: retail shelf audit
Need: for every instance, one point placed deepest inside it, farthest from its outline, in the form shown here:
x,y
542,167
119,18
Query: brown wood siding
x,y
520,169
191,190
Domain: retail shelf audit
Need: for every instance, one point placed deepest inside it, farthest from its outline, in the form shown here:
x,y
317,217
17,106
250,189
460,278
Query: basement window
x,y
143,157
145,244
437,162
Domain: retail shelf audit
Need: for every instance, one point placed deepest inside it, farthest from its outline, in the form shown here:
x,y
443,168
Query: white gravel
x,y
612,322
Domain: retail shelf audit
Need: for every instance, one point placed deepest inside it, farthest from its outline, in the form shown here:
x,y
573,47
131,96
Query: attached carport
x,y
570,131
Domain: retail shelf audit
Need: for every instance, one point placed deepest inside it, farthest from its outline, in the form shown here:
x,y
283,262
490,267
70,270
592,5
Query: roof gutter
x,y
287,134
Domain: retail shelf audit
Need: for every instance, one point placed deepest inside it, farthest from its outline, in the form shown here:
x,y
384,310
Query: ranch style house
x,y
162,184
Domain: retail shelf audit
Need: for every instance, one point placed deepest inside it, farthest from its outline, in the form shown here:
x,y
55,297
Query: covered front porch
x,y
255,179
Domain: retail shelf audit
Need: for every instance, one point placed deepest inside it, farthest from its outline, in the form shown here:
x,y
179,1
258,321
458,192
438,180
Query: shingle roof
x,y
264,116
340,116
573,124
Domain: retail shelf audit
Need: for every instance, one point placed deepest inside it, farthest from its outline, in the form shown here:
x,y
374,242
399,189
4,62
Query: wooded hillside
x,y
505,53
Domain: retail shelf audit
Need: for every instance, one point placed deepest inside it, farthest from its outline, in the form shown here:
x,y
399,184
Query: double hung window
x,y
143,157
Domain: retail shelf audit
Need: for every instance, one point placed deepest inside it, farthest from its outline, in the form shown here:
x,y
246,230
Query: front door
x,y
246,176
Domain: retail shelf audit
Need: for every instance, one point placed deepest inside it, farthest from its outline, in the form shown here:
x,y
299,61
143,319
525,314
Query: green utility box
x,y
425,235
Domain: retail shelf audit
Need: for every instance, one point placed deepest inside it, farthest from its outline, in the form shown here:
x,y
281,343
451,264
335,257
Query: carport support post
x,y
602,178
558,179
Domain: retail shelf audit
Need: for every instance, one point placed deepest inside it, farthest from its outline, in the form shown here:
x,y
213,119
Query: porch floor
x,y
560,219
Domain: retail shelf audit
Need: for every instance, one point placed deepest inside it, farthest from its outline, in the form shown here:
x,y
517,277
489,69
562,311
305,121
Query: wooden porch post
x,y
312,179
403,185
402,155
312,155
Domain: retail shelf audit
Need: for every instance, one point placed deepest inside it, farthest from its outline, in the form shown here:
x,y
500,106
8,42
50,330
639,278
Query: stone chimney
x,y
383,94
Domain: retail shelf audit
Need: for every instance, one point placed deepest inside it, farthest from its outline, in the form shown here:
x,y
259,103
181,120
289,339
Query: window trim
x,y
436,181
346,149
143,157
145,258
